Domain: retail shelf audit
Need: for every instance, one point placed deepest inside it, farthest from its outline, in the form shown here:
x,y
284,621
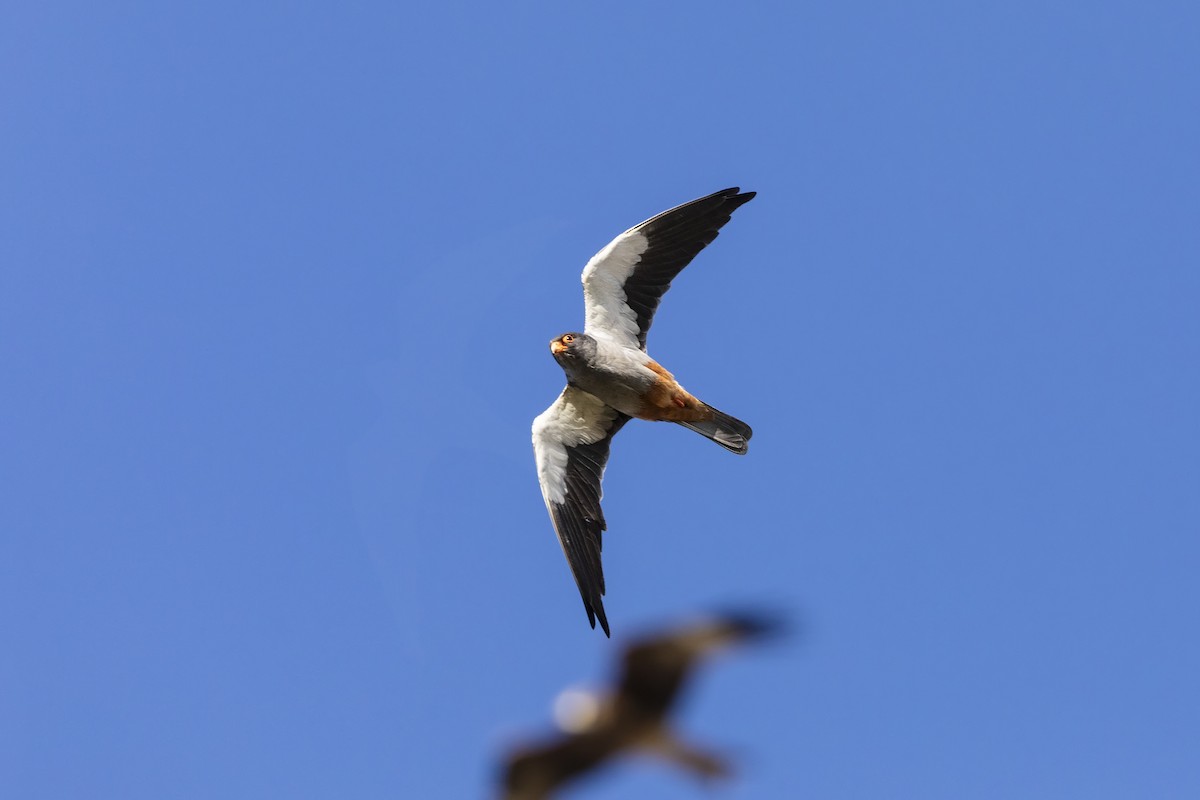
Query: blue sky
x,y
276,287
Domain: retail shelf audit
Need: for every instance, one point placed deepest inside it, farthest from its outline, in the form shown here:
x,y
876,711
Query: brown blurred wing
x,y
656,669
534,772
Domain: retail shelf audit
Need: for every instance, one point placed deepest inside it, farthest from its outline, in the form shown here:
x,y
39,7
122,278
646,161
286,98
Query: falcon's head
x,y
572,346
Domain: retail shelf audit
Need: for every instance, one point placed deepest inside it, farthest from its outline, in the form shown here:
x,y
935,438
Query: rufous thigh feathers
x,y
667,401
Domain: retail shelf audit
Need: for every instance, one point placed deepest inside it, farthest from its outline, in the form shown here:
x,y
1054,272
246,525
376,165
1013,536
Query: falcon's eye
x,y
568,339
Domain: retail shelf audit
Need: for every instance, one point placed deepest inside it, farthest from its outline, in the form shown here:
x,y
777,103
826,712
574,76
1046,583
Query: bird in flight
x,y
634,718
610,378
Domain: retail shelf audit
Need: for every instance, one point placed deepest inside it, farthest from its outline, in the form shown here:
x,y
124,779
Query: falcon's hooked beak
x,y
557,347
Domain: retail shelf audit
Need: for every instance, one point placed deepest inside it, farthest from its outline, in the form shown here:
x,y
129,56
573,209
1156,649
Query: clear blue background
x,y
276,287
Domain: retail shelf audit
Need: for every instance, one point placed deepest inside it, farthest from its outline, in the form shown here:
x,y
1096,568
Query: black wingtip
x,y
729,200
603,622
735,193
726,199
597,612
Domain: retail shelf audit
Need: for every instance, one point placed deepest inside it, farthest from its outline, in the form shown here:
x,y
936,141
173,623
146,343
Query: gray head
x,y
572,350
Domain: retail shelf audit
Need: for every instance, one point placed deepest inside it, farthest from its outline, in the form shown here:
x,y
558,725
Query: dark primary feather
x,y
580,522
675,237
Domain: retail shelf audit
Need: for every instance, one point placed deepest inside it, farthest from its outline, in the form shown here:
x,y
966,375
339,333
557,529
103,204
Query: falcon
x,y
654,672
611,378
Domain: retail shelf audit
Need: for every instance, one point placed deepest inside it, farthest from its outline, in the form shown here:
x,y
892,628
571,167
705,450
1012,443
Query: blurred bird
x,y
610,378
654,671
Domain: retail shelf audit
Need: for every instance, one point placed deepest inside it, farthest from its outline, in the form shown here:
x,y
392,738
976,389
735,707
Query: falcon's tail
x,y
729,432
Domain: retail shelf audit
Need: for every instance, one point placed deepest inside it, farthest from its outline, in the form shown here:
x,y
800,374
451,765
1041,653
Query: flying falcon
x,y
654,672
610,378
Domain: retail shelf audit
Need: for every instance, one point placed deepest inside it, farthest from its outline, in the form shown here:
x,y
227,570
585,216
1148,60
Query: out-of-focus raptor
x,y
634,718
610,378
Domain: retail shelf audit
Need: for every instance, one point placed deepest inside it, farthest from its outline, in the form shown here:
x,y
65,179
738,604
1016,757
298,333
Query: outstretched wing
x,y
624,282
655,669
571,440
535,771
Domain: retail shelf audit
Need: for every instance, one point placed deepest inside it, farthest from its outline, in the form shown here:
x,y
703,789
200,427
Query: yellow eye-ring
x,y
568,339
